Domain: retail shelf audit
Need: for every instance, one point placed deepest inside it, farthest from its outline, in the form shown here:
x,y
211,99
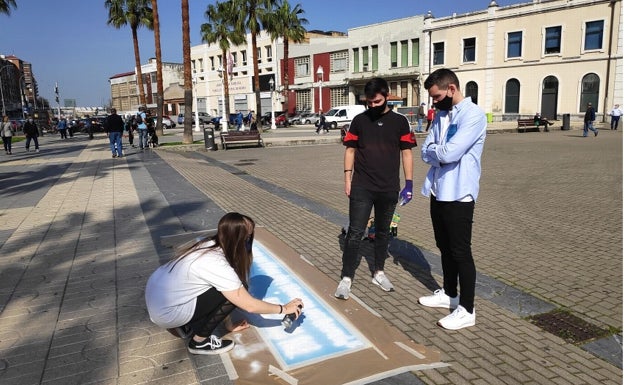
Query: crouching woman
x,y
197,290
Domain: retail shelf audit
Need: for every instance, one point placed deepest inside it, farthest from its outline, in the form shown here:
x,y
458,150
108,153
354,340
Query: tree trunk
x,y
187,137
137,63
286,79
226,90
159,77
254,48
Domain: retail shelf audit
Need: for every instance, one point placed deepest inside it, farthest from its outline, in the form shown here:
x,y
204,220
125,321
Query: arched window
x,y
589,91
512,96
472,90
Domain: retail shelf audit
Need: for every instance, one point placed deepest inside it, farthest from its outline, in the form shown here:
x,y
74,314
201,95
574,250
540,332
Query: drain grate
x,y
568,326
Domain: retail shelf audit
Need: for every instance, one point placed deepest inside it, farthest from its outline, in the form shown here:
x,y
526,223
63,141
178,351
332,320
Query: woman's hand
x,y
242,325
294,306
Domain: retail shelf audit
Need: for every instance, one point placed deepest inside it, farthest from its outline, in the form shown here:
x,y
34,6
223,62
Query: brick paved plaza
x,y
80,233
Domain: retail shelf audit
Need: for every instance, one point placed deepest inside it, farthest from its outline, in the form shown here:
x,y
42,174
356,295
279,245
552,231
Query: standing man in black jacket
x,y
114,127
32,133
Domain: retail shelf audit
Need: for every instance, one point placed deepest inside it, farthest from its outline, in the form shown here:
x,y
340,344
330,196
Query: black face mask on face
x,y
377,111
445,104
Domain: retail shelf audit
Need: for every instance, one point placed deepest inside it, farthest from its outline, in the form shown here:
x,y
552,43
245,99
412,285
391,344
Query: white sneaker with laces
x,y
439,299
458,319
344,288
382,281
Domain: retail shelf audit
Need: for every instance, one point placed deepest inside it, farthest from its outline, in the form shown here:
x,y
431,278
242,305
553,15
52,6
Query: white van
x,y
342,115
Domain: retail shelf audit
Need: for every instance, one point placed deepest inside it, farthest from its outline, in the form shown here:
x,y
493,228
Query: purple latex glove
x,y
406,194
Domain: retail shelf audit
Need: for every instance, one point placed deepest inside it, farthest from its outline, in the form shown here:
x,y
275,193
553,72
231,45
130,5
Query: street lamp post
x,y
319,75
224,119
272,86
195,102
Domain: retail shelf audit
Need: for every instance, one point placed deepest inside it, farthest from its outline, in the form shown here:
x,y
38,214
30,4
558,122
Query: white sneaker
x,y
382,281
439,299
458,319
344,288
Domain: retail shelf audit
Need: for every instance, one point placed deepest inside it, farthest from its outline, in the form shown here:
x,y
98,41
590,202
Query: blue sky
x,y
69,42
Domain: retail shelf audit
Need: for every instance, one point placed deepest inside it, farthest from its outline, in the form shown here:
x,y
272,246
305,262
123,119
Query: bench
x,y
241,138
527,124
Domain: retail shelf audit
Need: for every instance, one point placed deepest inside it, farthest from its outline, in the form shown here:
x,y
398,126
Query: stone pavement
x,y
81,232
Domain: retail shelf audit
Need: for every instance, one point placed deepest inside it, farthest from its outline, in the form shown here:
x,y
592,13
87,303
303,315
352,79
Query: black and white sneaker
x,y
184,331
211,345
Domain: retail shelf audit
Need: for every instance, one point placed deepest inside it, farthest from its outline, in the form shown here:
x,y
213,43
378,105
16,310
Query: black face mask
x,y
445,104
376,112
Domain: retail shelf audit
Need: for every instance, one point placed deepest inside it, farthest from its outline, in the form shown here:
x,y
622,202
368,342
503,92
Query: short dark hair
x,y
442,78
376,86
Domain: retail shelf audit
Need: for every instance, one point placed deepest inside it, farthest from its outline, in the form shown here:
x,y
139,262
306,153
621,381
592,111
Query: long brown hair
x,y
233,232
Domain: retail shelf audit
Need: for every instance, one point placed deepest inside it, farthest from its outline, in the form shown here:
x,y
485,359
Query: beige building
x,y
208,66
125,91
548,56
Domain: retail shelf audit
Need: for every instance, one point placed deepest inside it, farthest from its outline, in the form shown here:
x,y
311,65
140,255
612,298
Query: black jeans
x,y
361,201
210,310
452,226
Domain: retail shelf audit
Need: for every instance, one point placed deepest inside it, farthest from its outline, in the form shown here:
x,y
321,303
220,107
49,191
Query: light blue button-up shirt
x,y
454,153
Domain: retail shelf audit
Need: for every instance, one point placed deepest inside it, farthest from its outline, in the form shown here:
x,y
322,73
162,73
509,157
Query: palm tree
x,y
187,136
159,77
222,29
135,13
285,22
250,16
5,6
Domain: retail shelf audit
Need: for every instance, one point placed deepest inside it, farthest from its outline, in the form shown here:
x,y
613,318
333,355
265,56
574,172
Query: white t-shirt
x,y
171,294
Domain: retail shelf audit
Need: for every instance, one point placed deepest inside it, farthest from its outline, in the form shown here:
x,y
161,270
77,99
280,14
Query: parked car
x,y
296,118
281,120
310,118
266,117
204,118
166,121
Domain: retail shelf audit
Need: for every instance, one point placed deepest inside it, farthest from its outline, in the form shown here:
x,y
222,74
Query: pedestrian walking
x,y
196,291
430,116
141,122
114,126
31,131
378,140
453,150
421,117
7,134
588,121
61,127
321,124
615,116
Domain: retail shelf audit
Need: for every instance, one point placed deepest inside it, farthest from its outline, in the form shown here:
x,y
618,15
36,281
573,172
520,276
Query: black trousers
x,y
452,226
210,310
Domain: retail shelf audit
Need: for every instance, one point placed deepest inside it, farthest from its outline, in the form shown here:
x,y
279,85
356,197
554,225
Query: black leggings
x,y
210,310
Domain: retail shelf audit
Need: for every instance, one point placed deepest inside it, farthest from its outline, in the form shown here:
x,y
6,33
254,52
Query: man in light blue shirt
x,y
142,126
453,150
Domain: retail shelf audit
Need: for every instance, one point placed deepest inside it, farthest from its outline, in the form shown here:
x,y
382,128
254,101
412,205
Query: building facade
x,y
209,67
125,91
551,57
18,87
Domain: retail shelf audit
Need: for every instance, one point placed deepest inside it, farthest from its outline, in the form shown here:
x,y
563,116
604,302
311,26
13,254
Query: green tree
x,y
135,13
221,29
251,13
187,136
5,6
159,76
285,22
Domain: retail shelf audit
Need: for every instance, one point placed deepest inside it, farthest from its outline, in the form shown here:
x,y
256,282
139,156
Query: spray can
x,y
288,319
